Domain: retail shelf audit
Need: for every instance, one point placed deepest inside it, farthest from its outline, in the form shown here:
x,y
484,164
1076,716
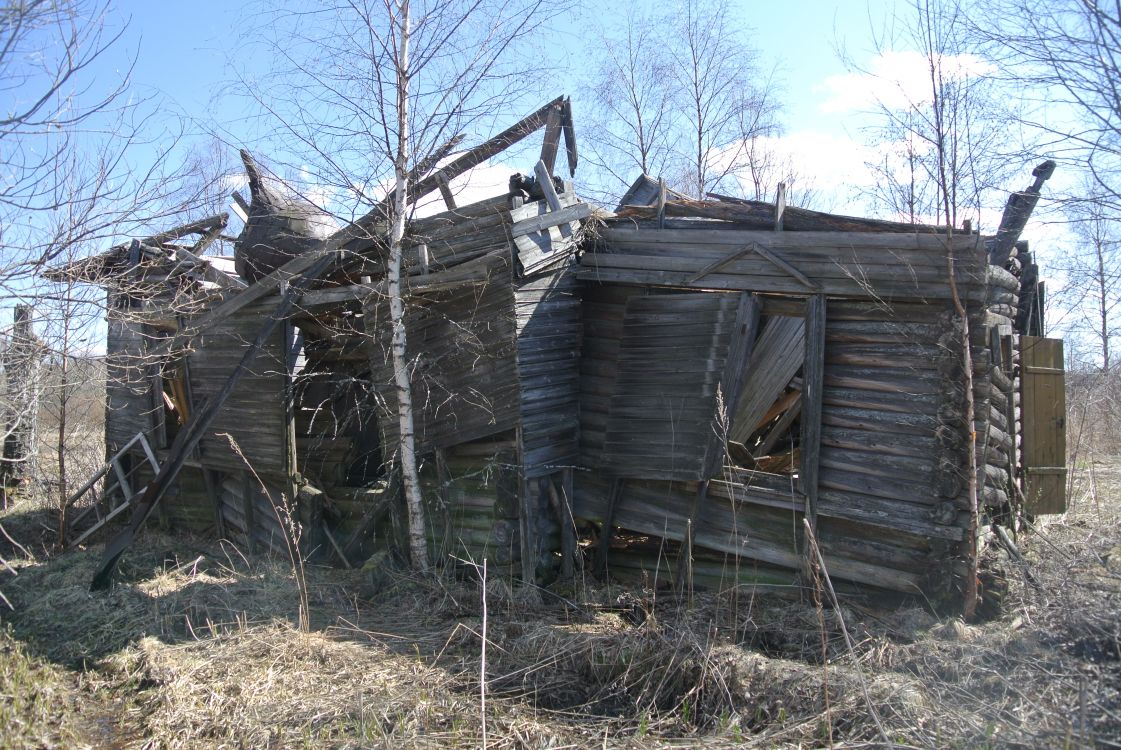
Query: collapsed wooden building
x,y
662,392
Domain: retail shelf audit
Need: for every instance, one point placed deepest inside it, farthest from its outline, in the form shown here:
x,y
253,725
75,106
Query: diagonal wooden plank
x,y
778,355
192,432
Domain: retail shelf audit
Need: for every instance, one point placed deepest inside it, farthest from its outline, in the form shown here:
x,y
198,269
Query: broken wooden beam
x,y
193,431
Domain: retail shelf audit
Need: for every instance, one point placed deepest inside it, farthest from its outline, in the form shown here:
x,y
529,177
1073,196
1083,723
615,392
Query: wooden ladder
x,y
116,496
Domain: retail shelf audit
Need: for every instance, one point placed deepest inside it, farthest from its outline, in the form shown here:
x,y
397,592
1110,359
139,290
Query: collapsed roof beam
x,y
1016,214
486,150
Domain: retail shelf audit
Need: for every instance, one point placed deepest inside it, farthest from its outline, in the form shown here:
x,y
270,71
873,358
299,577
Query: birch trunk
x,y
407,448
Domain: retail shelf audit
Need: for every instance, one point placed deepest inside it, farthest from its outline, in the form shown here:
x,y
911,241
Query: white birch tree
x,y
369,90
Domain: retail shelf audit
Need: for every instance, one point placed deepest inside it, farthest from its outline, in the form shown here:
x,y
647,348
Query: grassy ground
x,y
197,648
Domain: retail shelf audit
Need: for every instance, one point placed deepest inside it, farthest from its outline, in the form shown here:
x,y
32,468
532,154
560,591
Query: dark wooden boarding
x,y
704,374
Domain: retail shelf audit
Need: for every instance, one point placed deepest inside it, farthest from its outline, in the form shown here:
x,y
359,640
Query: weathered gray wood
x,y
780,429
607,530
661,421
776,358
685,567
248,512
551,142
545,183
779,262
192,432
813,374
568,524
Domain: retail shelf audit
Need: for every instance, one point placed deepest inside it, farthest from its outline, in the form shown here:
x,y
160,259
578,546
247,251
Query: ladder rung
x,y
116,512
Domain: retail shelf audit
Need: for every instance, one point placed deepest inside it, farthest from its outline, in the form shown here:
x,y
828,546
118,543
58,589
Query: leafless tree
x,y
632,99
726,99
371,90
1092,267
1064,58
680,93
944,137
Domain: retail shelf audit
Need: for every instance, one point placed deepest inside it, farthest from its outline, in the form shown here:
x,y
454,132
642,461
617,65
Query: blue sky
x,y
187,55
188,52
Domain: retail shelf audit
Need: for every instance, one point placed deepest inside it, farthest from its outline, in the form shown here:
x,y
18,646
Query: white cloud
x,y
234,181
897,80
830,165
484,181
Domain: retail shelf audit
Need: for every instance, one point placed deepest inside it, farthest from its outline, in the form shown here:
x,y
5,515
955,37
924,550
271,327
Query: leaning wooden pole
x,y
190,436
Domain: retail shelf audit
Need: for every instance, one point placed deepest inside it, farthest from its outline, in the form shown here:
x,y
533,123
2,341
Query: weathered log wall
x,y
888,267
892,503
473,502
462,355
253,415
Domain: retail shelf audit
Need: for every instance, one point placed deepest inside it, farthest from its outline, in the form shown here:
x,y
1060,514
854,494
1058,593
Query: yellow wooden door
x,y
1043,411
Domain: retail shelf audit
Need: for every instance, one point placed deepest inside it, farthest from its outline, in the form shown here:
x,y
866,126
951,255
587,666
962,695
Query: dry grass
x,y
197,648
38,705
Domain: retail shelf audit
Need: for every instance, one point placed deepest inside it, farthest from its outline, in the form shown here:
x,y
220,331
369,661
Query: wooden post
x,y
552,138
685,559
813,375
608,528
568,525
527,536
213,481
528,526
780,205
247,490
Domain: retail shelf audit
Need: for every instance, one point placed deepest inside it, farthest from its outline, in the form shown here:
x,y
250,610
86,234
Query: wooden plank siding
x,y
664,419
855,265
254,413
776,358
128,385
882,515
1044,410
548,320
463,365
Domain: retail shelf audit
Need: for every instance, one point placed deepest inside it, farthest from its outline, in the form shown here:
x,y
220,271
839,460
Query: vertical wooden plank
x,y
527,519
813,375
247,492
608,528
1043,410
552,138
685,563
780,205
774,361
740,348
528,524
568,525
213,481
